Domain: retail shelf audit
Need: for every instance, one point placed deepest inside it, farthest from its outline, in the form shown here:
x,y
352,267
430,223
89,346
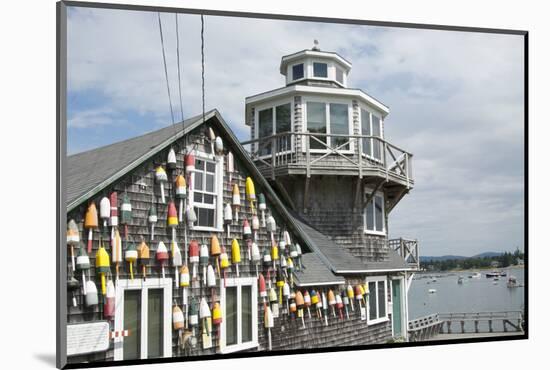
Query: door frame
x,y
139,284
404,322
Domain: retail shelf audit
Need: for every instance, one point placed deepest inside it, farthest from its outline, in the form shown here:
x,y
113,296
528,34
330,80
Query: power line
x,y
166,70
178,53
202,64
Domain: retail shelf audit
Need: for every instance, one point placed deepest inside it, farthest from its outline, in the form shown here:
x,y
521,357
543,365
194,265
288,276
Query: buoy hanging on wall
x,y
194,251
271,227
215,251
250,193
256,256
262,206
172,219
255,226
191,216
227,218
73,239
332,301
91,223
143,255
230,166
203,261
181,194
91,298
300,304
162,256
73,285
345,302
105,210
126,213
116,251
268,323
224,263
114,209
236,201
131,256
351,296
83,265
189,167
109,307
236,255
262,288
325,307
307,302
212,139
171,160
176,260
339,305
219,145
162,178
152,218
102,266
247,236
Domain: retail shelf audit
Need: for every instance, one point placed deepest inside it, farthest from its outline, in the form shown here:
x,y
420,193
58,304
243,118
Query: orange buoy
x,y
300,303
261,287
215,251
332,301
91,222
143,256
177,318
307,302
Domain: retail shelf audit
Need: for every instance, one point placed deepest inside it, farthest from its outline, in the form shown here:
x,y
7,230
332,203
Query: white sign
x,y
87,338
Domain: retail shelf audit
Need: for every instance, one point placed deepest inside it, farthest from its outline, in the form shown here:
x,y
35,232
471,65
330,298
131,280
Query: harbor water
x,y
480,294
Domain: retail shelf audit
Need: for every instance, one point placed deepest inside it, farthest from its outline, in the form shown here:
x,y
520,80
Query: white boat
x,y
512,282
432,291
461,279
476,275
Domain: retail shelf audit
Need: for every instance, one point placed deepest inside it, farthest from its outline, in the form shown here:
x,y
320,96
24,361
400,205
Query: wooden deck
x,y
455,336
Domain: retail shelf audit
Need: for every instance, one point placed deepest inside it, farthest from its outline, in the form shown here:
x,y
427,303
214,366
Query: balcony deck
x,y
309,154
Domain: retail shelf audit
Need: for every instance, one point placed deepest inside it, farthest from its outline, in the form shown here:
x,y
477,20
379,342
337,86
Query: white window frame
x,y
371,114
379,193
377,279
144,285
218,191
327,102
273,106
291,72
239,282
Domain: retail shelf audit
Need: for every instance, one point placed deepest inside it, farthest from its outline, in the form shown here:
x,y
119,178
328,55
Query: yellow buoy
x,y
236,254
102,266
250,193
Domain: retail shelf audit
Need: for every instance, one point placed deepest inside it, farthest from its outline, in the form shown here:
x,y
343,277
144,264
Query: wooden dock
x,y
443,326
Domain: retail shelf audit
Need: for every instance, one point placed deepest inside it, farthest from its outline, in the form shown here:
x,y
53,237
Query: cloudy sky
x,y
455,98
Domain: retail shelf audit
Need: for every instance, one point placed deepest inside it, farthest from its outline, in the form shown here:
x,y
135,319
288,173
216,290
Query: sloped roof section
x,y
88,171
339,260
315,272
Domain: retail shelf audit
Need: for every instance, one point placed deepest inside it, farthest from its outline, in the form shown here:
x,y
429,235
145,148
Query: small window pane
x,y
197,197
377,151
381,299
199,180
208,199
155,323
378,212
316,123
265,128
365,130
209,183
339,125
370,216
132,322
297,71
339,75
282,124
320,70
210,167
199,164
372,300
205,217
246,304
231,313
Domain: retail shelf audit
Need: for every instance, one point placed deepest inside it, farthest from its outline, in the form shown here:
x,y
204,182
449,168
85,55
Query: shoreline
x,y
481,269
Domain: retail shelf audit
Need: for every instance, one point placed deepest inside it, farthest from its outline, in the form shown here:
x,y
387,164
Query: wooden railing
x,y
316,150
408,249
424,328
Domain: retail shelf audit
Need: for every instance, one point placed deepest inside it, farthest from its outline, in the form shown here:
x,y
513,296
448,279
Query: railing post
x,y
360,151
407,168
308,169
386,159
273,156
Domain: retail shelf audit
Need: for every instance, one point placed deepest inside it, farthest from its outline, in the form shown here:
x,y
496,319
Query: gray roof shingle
x,y
315,272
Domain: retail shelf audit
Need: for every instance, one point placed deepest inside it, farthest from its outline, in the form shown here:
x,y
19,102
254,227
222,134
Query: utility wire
x,y
179,76
166,70
202,64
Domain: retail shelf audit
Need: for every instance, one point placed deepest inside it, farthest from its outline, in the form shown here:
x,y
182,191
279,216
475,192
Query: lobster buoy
x,y
262,288
162,256
325,307
286,238
332,301
162,178
345,302
247,231
190,215
262,206
339,305
274,302
268,323
73,239
203,261
171,160
91,222
290,269
131,256
105,210
73,285
91,298
211,138
299,252
286,294
224,263
177,318
351,296
189,161
282,245
274,254
172,218
102,266
219,145
316,302
256,256
230,165
210,277
185,281
181,194
215,251
193,314
236,255
152,218
271,227
267,259
250,193
143,256
236,201
83,265
205,314
255,226
359,295
114,209
280,282
217,314
176,260
227,218
109,307
126,213
194,251
307,302
116,250
299,299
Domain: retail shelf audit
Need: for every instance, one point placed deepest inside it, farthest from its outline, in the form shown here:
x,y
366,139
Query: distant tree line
x,y
504,260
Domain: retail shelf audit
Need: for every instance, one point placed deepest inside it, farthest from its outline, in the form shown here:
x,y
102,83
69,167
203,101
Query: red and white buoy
x,y
236,201
339,305
162,256
194,251
262,288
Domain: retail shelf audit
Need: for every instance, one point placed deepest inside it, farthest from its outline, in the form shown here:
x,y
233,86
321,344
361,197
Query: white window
x,y
371,125
320,70
204,195
239,301
275,120
377,307
374,222
328,118
297,71
144,308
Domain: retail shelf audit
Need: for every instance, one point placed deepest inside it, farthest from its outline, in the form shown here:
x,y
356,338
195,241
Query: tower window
x,y
339,75
320,70
297,71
